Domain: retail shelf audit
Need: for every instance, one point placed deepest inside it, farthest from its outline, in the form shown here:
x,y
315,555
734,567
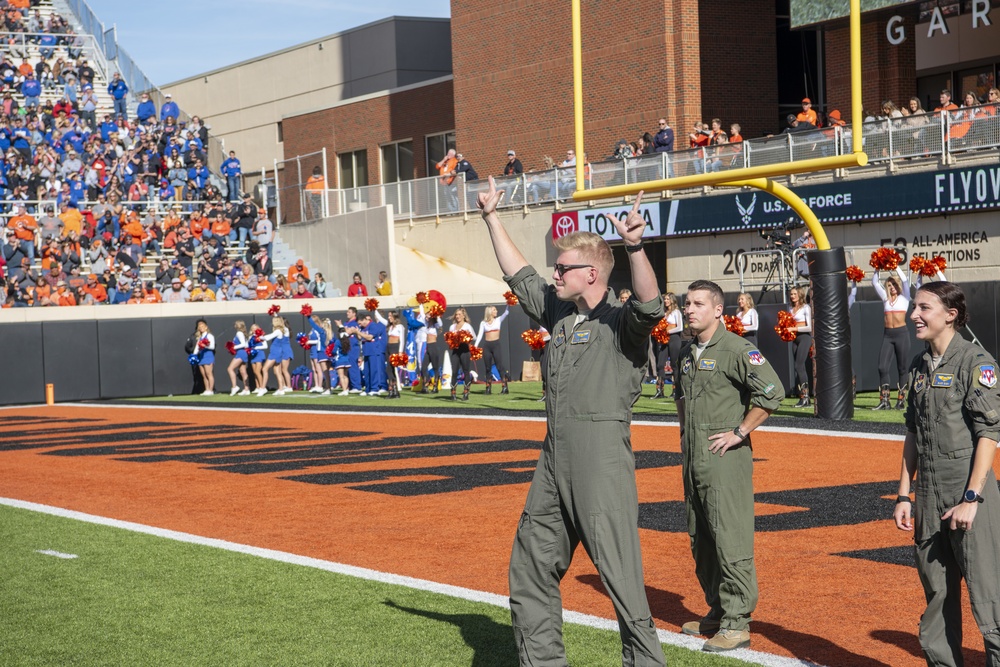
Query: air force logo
x,y
706,365
920,382
746,212
756,358
686,366
988,376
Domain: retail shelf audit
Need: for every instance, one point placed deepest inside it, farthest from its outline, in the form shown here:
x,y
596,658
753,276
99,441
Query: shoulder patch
x,y
756,358
987,376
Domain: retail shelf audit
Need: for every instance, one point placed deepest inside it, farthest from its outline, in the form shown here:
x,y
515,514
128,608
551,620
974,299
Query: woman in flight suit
x,y
953,425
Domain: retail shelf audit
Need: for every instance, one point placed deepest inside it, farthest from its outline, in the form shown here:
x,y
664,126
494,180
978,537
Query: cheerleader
x,y
895,338
274,357
748,316
434,352
802,343
321,332
257,356
672,350
489,329
395,340
460,356
341,359
206,356
287,356
240,360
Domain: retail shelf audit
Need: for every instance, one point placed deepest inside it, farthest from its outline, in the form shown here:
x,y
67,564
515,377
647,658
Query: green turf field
x,y
135,599
523,396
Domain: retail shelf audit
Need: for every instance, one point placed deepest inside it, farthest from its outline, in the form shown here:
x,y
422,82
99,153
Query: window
x,y
437,146
353,169
281,133
397,162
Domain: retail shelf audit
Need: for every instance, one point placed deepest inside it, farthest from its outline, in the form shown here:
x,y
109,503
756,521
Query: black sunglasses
x,y
561,269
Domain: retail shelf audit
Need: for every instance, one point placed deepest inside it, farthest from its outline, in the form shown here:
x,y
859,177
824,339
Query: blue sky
x,y
174,40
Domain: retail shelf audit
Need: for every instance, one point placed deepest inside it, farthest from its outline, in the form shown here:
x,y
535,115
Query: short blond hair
x,y
591,247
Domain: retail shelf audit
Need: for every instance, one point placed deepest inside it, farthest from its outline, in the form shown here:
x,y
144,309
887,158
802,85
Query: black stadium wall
x,y
128,358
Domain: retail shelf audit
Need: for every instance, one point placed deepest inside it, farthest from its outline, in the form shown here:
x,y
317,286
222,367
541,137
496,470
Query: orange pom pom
x,y
371,304
855,273
786,328
885,259
941,263
400,359
435,310
510,298
659,332
475,353
917,264
422,297
534,338
734,324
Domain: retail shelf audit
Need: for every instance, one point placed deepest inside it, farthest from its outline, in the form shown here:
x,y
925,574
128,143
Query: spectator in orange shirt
x,y
807,115
315,189
734,133
150,294
198,225
264,287
24,227
172,220
136,295
298,269
43,294
94,292
946,104
72,219
699,138
134,234
446,167
222,230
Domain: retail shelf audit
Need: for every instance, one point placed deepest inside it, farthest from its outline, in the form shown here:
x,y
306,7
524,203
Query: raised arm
x,y
644,285
877,284
482,330
510,258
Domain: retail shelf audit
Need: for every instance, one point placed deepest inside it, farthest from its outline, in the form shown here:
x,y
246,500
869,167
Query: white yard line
x,y
670,638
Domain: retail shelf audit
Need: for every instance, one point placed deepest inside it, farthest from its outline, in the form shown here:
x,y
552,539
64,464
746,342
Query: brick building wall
x,y
367,124
887,72
738,79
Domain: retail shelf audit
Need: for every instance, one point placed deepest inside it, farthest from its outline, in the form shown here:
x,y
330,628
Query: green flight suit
x,y
583,489
718,389
949,409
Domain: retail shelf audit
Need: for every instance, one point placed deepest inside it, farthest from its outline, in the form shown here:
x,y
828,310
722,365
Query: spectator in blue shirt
x,y
169,109
119,93
146,110
198,174
107,128
372,335
32,90
232,171
47,45
663,142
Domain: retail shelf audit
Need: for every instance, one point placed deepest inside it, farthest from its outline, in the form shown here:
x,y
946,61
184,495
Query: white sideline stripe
x,y
637,422
671,638
57,554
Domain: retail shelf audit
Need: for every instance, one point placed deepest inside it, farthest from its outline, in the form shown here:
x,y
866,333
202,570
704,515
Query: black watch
x,y
972,497
633,248
742,436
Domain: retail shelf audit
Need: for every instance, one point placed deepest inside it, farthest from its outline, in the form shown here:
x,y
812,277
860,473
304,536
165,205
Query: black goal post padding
x,y
832,334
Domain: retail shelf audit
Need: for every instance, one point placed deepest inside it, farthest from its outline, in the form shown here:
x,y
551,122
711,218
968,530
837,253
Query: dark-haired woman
x,y
952,429
896,338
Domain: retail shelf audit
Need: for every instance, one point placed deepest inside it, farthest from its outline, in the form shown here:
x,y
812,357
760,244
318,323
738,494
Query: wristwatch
x,y
972,497
633,248
739,433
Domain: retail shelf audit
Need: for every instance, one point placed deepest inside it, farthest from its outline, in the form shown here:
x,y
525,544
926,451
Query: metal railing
x,y
21,44
885,141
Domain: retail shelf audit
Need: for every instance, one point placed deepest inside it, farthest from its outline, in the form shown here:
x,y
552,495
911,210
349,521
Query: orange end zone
x,y
438,499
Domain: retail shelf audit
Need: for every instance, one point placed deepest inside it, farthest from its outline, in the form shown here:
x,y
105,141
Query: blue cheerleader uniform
x,y
242,351
206,355
277,351
286,347
317,338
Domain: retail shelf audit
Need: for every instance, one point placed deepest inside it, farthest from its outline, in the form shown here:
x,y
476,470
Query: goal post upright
x,y
833,377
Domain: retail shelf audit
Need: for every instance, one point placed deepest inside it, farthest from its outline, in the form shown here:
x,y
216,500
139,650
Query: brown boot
x,y
727,640
706,626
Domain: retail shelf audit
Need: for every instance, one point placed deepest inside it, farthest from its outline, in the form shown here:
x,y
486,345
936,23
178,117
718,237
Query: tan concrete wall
x,y
245,101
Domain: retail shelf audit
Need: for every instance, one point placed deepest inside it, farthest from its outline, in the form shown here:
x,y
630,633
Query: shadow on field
x,y
668,606
911,644
492,643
